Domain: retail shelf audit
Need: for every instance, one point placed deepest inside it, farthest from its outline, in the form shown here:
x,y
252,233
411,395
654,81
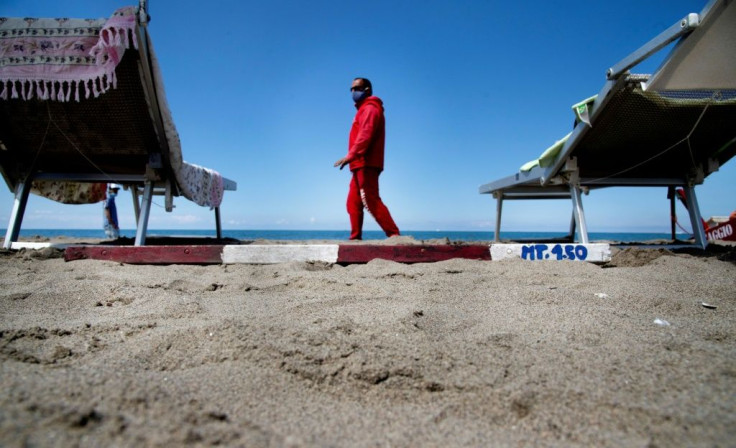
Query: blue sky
x,y
259,91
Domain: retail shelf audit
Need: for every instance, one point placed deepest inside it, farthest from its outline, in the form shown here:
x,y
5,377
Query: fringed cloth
x,y
56,58
75,59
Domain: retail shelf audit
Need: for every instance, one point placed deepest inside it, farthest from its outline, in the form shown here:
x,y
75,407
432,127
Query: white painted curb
x,y
272,253
36,246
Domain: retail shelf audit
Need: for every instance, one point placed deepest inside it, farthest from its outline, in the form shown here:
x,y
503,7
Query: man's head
x,y
361,89
113,188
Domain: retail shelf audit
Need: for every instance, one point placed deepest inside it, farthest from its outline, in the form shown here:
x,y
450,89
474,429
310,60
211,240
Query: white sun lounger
x,y
82,104
670,129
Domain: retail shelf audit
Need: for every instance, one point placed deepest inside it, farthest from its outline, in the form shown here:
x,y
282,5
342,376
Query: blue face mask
x,y
112,194
359,96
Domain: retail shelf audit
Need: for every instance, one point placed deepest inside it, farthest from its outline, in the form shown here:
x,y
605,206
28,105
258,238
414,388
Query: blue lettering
x,y
581,252
527,252
557,250
541,248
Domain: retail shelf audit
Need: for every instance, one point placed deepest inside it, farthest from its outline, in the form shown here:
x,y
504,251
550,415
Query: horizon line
x,y
340,230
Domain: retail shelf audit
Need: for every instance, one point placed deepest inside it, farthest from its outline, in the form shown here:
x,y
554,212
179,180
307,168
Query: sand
x,y
455,353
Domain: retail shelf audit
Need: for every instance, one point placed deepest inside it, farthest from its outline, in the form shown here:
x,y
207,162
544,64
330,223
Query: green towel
x,y
582,110
548,156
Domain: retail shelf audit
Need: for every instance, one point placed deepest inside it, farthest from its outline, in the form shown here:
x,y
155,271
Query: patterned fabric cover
x,y
70,192
72,59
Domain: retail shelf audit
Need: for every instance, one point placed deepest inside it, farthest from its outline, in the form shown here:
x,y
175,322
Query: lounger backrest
x,y
112,133
706,59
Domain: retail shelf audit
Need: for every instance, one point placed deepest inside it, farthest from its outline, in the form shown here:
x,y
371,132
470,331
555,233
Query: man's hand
x,y
342,162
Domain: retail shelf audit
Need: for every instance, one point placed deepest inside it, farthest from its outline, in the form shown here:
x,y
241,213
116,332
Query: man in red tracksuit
x,y
365,156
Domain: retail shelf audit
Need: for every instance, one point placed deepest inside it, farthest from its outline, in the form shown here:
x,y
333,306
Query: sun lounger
x,y
670,129
82,104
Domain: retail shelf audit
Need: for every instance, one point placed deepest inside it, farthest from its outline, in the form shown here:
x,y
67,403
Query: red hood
x,y
370,100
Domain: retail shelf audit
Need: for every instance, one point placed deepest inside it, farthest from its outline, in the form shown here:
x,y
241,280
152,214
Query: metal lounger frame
x,y
562,179
157,178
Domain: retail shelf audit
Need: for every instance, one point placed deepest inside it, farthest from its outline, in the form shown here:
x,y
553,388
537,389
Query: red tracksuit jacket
x,y
367,135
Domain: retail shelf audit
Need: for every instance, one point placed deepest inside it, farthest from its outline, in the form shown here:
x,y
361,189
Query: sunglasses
x,y
358,88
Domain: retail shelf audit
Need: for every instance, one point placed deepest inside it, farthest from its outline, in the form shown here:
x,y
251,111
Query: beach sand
x,y
455,353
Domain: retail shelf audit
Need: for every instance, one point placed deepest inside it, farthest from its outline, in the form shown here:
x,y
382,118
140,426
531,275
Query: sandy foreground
x,y
455,353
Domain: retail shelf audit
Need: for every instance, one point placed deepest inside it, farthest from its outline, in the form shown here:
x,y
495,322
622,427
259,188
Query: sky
x,y
472,89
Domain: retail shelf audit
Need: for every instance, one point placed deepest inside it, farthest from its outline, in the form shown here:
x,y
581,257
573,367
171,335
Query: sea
x,y
451,235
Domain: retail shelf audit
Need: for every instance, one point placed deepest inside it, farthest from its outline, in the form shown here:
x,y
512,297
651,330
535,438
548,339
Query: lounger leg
x,y
695,219
577,204
136,202
499,206
673,212
169,198
16,216
140,236
571,235
218,226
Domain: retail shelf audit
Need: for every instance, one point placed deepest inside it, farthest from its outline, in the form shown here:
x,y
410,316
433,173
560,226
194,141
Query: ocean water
x,y
344,234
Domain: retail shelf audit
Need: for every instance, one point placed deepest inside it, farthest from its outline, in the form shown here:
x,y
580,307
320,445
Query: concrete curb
x,y
325,253
275,253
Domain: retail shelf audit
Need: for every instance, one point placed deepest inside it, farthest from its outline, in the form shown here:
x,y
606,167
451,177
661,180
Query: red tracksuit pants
x,y
364,193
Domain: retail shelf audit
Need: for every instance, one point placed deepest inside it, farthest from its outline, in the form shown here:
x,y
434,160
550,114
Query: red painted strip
x,y
212,254
359,253
147,254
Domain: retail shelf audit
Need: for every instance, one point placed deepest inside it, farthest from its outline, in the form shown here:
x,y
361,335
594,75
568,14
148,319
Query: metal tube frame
x,y
695,218
218,226
136,202
22,190
140,236
616,80
499,207
577,210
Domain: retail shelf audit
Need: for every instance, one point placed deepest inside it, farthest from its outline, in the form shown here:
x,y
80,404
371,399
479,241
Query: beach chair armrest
x,y
229,185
